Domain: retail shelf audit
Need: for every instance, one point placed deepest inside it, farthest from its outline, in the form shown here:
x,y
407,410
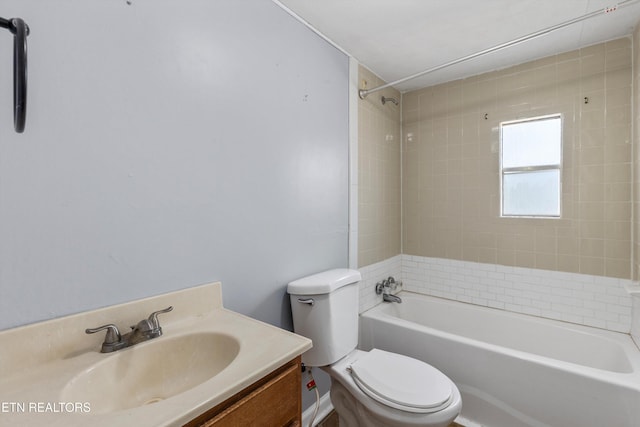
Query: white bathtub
x,y
515,370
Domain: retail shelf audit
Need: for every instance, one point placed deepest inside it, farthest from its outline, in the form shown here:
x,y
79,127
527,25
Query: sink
x,y
206,355
151,372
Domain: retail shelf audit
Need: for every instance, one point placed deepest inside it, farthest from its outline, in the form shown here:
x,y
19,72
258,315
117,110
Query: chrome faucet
x,y
145,330
385,287
391,298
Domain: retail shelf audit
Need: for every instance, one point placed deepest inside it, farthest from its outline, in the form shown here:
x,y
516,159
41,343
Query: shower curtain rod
x,y
364,92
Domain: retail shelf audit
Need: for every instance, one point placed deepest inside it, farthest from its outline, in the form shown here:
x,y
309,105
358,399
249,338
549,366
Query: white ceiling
x,y
398,38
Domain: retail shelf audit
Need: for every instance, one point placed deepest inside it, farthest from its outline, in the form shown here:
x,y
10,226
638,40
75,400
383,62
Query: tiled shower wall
x,y
636,153
584,299
379,173
455,243
451,183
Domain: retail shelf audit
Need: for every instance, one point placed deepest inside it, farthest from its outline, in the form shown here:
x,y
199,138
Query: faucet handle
x,y
113,334
153,317
393,284
385,286
113,339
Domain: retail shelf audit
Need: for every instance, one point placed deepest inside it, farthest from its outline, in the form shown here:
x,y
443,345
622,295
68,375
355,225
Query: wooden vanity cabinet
x,y
273,401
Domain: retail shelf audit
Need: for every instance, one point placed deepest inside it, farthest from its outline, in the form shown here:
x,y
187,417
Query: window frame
x,y
531,168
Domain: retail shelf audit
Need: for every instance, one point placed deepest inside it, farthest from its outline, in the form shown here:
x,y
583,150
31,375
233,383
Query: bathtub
x,y
514,370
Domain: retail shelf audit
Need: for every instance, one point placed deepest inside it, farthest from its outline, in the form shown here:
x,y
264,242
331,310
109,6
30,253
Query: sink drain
x,y
154,400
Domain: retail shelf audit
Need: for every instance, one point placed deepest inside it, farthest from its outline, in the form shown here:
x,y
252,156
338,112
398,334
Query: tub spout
x,y
391,298
385,287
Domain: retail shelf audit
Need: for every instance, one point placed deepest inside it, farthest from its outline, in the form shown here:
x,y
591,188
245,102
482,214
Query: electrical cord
x,y
311,385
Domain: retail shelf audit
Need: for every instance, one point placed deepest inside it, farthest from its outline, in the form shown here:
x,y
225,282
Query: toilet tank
x,y
325,309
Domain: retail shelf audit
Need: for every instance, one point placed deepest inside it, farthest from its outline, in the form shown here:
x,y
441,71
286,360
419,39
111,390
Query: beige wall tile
x,y
447,158
379,176
635,273
617,268
456,172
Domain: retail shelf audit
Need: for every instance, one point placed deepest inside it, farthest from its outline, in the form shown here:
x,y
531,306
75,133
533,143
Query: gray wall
x,y
169,143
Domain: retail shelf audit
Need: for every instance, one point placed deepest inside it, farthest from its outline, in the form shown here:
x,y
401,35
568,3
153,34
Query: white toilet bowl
x,y
387,396
368,388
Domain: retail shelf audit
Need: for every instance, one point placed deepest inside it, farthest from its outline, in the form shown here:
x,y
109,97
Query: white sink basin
x,y
152,371
206,355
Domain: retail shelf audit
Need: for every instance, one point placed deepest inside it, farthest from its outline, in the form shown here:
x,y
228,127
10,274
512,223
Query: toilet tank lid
x,y
324,283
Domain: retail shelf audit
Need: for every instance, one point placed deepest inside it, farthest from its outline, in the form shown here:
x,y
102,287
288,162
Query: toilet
x,y
368,388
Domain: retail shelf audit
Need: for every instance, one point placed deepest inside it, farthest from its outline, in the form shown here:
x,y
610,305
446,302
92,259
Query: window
x,y
530,163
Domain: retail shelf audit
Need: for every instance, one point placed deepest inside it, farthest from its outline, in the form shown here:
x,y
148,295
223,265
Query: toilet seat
x,y
402,382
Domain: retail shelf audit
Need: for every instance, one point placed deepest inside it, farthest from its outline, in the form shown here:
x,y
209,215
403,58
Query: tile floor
x,y
331,420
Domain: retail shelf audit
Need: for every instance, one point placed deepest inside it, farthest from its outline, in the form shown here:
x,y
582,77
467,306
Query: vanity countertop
x,y
39,361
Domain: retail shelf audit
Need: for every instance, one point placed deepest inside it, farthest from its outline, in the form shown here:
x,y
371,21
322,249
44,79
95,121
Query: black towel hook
x,y
20,31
